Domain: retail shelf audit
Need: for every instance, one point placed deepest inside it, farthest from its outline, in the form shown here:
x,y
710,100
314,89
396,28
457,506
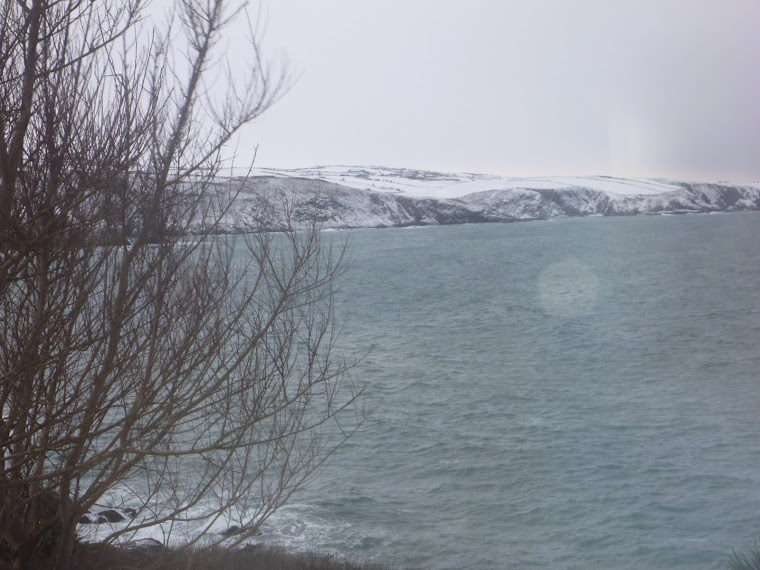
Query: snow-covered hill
x,y
343,197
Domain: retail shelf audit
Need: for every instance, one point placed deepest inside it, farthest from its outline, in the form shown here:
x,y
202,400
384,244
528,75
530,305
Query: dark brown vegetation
x,y
749,560
106,557
196,377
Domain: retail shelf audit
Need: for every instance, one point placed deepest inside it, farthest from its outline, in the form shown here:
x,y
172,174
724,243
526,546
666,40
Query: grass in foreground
x,y
746,560
108,557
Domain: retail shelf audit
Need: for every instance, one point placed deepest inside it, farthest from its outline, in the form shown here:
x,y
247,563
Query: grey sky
x,y
518,87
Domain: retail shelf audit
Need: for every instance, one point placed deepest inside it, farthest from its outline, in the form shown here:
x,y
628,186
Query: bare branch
x,y
140,351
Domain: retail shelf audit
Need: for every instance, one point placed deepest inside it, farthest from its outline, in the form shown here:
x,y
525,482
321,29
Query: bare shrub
x,y
141,353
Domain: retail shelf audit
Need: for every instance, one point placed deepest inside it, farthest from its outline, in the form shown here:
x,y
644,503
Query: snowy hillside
x,y
343,197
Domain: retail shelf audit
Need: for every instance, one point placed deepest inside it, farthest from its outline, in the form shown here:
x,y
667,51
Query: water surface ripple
x,y
581,393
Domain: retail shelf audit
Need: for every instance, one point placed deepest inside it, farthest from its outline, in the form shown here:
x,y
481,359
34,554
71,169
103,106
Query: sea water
x,y
578,393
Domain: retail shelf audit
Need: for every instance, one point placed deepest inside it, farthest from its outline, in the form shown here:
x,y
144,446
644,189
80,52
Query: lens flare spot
x,y
568,288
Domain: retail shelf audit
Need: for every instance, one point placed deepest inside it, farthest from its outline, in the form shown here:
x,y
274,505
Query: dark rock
x,y
145,545
234,529
111,516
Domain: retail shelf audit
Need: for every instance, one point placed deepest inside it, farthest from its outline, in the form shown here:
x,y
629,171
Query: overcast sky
x,y
517,87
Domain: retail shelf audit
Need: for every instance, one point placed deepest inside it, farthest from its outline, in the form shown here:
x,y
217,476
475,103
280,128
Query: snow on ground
x,y
606,184
426,184
413,183
368,196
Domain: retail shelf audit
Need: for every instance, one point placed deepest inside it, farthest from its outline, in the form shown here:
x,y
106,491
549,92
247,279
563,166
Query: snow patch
x,y
444,185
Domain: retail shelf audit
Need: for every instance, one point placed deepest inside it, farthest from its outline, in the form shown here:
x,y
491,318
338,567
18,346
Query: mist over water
x,y
581,393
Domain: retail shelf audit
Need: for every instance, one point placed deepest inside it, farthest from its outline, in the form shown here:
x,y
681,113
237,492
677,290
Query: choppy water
x,y
580,393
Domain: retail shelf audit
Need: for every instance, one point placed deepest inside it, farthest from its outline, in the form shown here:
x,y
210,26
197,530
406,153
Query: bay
x,y
578,393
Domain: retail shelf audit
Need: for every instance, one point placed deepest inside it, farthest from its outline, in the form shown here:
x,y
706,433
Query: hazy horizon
x,y
631,88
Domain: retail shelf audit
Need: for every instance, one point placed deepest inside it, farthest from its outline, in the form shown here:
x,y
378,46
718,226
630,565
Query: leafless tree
x,y
143,356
